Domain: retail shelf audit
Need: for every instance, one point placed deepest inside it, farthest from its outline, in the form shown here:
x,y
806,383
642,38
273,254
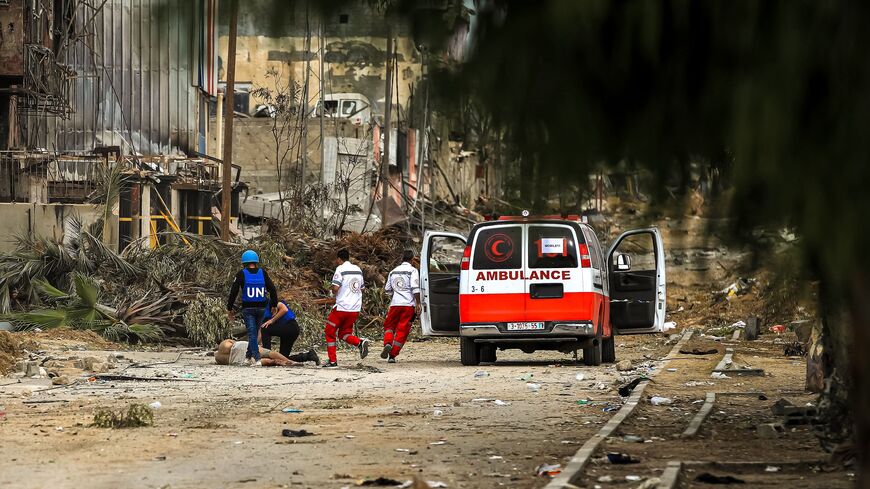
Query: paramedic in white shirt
x,y
347,287
404,285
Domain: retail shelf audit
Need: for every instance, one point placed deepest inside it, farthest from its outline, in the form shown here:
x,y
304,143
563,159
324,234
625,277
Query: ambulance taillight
x,y
466,258
585,259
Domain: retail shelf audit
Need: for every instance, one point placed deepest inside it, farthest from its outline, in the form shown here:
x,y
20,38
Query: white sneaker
x,y
258,363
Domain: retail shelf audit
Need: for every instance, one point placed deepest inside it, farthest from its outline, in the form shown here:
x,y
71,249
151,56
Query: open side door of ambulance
x,y
636,266
440,265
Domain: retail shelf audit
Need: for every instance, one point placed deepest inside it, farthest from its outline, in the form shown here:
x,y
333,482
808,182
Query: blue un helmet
x,y
250,256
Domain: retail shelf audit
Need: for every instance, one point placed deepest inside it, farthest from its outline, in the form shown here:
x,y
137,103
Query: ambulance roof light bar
x,y
552,217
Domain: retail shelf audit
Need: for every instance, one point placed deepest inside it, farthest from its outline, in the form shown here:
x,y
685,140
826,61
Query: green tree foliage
x,y
776,93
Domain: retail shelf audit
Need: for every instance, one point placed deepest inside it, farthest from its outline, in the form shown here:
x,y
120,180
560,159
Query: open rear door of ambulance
x,y
636,266
440,264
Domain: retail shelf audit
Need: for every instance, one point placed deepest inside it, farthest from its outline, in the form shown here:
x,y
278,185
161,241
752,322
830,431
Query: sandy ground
x,y
222,427
426,416
429,416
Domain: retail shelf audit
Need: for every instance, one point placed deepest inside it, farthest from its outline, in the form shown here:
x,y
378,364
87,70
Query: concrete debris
x,y
769,430
803,329
652,483
548,470
61,380
624,365
661,401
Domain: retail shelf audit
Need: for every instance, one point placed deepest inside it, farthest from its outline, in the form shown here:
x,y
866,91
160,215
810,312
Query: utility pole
x,y
388,98
322,107
304,135
226,187
423,141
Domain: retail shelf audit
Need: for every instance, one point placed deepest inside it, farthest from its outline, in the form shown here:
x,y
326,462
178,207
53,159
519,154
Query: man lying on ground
x,y
232,352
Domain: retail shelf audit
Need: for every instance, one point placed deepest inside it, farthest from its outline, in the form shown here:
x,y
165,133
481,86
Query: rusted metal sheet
x,y
12,38
136,69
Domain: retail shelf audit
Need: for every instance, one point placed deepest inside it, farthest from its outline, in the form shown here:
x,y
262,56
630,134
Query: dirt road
x,y
221,426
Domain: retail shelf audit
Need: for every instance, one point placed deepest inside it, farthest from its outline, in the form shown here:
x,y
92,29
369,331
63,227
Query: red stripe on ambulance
x,y
499,308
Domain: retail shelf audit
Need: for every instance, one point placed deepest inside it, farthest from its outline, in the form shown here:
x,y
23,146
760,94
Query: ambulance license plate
x,y
524,326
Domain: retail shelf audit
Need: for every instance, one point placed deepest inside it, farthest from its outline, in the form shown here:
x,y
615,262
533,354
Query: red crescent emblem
x,y
494,247
499,248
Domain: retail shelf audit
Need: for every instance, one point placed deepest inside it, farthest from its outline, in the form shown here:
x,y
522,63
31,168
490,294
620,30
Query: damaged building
x,y
86,85
338,61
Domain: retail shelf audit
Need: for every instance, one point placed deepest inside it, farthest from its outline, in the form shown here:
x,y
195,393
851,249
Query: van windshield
x,y
498,248
552,247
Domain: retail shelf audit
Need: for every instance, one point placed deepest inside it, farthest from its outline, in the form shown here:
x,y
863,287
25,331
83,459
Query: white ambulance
x,y
541,283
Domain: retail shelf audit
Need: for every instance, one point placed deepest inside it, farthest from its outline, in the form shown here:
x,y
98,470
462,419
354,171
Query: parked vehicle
x,y
541,283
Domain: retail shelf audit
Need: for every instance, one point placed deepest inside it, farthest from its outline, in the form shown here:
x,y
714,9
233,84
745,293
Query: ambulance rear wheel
x,y
487,354
592,355
469,351
608,349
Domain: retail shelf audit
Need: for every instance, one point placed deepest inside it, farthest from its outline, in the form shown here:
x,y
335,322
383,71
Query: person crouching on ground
x,y
254,284
232,352
347,287
404,285
283,325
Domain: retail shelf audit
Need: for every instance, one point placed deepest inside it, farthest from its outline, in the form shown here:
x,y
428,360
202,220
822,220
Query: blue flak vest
x,y
286,317
254,286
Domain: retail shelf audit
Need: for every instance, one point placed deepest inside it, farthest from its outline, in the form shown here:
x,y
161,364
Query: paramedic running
x,y
347,285
254,284
404,285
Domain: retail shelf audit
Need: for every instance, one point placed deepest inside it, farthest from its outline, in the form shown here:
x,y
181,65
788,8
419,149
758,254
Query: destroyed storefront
x,y
88,84
155,195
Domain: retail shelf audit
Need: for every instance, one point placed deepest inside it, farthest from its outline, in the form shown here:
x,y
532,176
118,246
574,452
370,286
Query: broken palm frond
x,y
38,259
83,311
206,321
137,415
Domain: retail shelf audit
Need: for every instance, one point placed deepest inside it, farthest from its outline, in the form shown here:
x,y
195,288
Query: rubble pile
x,y
143,294
309,263
10,350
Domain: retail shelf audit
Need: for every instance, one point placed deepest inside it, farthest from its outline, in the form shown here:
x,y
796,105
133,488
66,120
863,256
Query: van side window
x,y
552,247
594,247
445,255
498,248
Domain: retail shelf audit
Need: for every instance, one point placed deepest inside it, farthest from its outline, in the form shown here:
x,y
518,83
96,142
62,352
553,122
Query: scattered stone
x,y
780,407
769,430
803,329
32,369
624,365
753,328
61,380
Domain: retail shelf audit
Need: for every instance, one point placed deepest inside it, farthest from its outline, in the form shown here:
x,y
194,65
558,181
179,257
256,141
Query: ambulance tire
x,y
469,352
608,349
487,354
592,355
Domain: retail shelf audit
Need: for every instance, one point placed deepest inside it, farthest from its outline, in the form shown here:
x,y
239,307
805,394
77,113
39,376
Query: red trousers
x,y
340,324
397,325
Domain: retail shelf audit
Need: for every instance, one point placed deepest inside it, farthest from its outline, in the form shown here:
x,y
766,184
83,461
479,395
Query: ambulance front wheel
x,y
469,351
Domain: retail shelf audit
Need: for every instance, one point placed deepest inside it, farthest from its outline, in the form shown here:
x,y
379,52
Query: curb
x,y
574,468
